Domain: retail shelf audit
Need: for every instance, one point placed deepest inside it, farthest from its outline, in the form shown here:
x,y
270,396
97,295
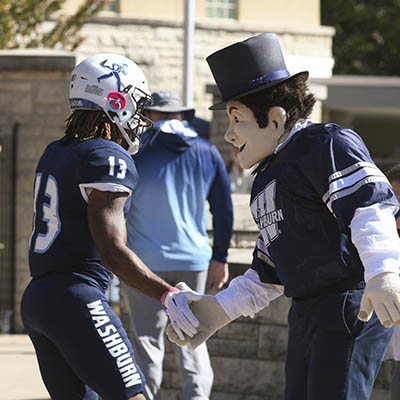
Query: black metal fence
x,y
7,226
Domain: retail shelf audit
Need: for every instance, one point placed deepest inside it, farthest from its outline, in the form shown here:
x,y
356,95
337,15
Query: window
x,y
112,5
222,9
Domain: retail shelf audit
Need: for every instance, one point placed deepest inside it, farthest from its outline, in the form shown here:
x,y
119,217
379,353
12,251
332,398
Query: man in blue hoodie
x,y
178,173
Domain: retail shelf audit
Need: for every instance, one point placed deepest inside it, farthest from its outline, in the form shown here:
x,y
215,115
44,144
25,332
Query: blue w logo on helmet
x,y
115,69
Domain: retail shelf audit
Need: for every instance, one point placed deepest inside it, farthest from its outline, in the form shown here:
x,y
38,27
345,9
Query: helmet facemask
x,y
131,123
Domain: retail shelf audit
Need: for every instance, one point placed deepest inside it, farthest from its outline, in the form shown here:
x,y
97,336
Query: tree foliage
x,y
40,23
367,40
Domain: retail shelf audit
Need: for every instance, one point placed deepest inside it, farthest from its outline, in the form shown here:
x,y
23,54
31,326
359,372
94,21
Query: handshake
x,y
193,326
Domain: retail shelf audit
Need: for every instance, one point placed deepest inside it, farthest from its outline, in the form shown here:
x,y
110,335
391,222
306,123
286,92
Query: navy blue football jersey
x,y
303,200
61,240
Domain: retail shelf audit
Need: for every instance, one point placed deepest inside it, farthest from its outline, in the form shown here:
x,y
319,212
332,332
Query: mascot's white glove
x,y
177,303
211,316
382,294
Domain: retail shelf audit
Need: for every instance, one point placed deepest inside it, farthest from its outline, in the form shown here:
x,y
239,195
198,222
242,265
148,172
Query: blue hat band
x,y
261,80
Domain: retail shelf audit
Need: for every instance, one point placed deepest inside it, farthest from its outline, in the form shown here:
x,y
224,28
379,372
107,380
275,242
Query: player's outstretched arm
x,y
107,225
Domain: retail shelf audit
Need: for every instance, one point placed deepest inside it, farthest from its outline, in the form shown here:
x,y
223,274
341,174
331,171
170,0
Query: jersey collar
x,y
298,126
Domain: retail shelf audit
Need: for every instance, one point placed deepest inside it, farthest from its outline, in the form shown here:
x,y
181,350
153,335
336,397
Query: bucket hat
x,y
169,101
248,66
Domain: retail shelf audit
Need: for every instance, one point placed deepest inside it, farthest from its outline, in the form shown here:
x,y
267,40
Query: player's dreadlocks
x,y
87,124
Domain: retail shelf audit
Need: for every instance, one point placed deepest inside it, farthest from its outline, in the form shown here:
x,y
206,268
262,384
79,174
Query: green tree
x,y
22,23
367,40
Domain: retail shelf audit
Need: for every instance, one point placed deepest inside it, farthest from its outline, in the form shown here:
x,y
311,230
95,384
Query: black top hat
x,y
169,101
247,67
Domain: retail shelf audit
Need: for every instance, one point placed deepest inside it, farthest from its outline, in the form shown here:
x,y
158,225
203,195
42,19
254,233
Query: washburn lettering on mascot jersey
x,y
114,343
265,213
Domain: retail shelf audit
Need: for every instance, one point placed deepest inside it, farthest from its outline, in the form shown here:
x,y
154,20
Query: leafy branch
x,y
40,23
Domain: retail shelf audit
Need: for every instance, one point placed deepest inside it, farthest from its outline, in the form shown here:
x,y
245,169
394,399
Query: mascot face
x,y
254,143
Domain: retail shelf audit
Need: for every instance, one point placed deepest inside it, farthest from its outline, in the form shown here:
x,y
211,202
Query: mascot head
x,y
262,99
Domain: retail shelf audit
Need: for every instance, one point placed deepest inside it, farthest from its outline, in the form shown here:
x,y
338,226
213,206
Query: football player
x,y
81,193
326,216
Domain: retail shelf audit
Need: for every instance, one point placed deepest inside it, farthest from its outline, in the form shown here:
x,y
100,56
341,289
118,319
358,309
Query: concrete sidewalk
x,y
19,372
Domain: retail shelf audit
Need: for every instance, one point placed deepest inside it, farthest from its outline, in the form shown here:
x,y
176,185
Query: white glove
x,y
382,294
211,316
177,303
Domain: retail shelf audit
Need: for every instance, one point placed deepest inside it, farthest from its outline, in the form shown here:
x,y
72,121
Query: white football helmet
x,y
116,85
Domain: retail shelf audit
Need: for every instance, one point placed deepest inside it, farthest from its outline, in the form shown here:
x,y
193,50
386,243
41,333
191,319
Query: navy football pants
x,y
82,349
331,354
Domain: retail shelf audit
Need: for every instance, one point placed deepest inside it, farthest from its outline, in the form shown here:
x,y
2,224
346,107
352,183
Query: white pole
x,y
188,54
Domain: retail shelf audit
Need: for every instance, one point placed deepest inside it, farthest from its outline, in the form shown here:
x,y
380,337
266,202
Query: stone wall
x,y
157,46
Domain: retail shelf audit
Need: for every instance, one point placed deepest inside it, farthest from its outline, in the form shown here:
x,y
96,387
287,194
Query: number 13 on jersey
x,y
48,204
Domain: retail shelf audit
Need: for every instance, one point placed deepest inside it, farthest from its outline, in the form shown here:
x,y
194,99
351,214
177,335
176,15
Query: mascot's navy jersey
x,y
61,240
303,200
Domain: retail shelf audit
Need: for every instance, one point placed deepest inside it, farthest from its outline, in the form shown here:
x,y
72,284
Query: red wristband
x,y
165,294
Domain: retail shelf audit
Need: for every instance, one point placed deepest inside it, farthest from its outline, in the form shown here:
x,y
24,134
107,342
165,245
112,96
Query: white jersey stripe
x,y
356,179
350,169
353,189
350,180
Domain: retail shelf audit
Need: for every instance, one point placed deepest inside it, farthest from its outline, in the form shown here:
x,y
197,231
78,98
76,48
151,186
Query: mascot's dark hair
x,y
292,95
394,173
87,124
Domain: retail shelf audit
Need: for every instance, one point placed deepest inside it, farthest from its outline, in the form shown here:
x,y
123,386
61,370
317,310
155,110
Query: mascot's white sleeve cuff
x,y
374,233
246,295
